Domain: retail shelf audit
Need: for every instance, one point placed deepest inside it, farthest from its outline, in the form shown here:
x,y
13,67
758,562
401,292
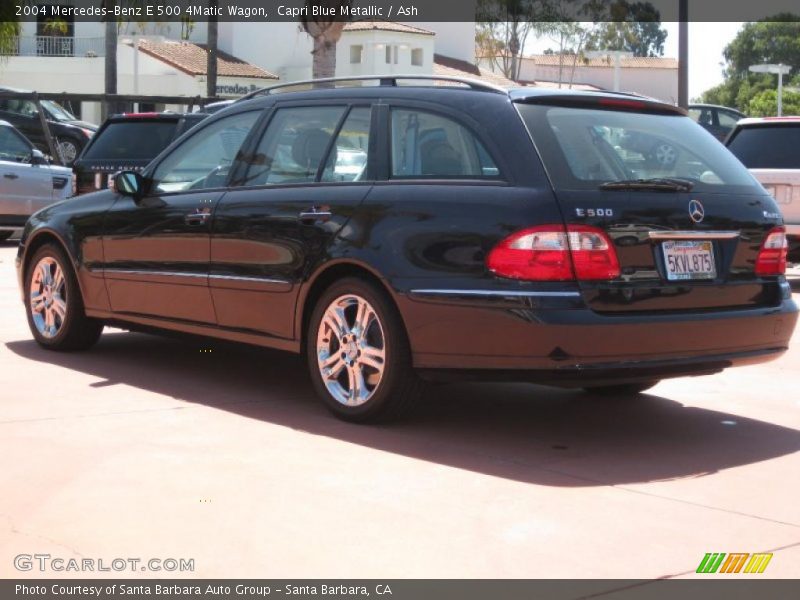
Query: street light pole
x,y
683,54
780,70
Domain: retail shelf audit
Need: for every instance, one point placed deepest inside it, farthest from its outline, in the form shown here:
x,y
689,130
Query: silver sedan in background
x,y
28,181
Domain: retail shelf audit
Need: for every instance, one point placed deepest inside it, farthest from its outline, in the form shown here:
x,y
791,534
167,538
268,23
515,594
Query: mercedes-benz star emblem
x,y
696,211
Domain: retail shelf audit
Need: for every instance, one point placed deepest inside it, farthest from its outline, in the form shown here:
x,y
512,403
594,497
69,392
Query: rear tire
x,y
359,356
54,306
68,150
621,389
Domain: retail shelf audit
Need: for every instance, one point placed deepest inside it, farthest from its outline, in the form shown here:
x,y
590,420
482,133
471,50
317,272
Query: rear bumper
x,y
504,339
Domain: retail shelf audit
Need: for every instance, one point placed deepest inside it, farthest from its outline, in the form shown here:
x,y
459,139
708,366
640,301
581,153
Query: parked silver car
x,y
768,147
28,181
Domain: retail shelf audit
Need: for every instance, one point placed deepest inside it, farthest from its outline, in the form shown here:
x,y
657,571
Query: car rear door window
x,y
204,159
294,145
769,147
429,146
347,161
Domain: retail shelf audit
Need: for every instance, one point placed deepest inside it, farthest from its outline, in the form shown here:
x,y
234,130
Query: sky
x,y
706,43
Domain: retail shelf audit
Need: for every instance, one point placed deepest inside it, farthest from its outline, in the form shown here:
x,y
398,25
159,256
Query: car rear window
x,y
134,140
583,148
768,147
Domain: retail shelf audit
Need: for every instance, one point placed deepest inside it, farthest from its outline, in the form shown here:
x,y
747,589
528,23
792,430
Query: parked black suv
x,y
70,134
127,142
406,231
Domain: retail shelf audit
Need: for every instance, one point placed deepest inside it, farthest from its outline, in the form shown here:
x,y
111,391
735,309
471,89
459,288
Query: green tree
x,y
776,40
504,26
630,26
765,104
9,32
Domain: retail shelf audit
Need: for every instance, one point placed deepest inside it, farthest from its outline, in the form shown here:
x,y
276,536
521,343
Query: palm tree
x,y
326,32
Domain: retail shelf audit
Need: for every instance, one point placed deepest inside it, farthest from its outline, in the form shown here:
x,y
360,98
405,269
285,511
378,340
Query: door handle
x,y
199,217
11,176
317,213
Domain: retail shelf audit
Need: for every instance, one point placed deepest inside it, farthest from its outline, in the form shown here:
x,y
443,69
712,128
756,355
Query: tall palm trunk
x,y
326,32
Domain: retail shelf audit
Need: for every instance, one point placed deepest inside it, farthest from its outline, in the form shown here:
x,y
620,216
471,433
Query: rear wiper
x,y
659,184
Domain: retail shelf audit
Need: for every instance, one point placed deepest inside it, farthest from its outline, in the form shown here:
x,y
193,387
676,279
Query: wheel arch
x,y
324,278
38,239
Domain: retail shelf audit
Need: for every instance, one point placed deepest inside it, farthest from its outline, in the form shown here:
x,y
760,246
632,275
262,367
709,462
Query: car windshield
x,y
587,148
768,147
131,140
58,112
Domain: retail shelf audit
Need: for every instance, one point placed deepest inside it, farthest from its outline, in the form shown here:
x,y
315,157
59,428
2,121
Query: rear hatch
x,y
686,220
123,144
769,150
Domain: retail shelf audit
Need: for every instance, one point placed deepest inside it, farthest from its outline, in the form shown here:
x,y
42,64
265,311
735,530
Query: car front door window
x,y
12,147
203,161
294,146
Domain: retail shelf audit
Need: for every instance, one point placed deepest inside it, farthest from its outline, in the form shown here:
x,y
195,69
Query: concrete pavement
x,y
156,448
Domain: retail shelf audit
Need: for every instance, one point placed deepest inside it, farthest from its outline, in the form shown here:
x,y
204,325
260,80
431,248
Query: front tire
x,y
359,355
54,306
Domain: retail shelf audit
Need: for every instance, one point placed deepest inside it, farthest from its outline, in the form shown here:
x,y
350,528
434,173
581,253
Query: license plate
x,y
689,260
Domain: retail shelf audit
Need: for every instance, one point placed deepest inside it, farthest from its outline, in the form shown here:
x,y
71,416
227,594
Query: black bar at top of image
x,y
391,10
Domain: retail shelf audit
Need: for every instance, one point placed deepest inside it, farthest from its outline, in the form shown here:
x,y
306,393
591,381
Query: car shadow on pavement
x,y
521,432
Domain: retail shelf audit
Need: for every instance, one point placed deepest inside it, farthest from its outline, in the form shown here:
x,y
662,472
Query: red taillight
x,y
772,256
622,103
552,253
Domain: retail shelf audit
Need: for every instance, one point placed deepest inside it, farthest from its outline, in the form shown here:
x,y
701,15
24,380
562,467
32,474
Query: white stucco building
x,y
168,58
655,77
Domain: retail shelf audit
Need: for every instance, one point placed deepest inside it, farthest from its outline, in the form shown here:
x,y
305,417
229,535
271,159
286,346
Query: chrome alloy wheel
x,y
68,151
351,350
666,155
48,297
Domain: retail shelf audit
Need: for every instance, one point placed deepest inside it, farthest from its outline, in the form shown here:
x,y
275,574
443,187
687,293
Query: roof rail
x,y
383,80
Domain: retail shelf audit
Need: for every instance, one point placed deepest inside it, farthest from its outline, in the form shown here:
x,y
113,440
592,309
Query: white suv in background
x,y
28,181
770,148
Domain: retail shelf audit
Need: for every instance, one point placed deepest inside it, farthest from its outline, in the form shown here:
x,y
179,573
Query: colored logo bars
x,y
716,562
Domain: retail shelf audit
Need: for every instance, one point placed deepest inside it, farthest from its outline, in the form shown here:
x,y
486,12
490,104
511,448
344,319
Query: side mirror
x,y
38,158
129,183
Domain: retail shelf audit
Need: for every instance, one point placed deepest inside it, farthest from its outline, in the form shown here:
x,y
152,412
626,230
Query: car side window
x,y
347,161
726,119
204,160
12,147
429,146
294,145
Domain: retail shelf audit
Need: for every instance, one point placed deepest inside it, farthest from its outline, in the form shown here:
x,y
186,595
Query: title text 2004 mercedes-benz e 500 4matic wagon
x,y
398,231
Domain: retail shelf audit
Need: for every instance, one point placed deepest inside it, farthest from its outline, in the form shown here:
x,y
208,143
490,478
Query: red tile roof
x,y
191,58
446,66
